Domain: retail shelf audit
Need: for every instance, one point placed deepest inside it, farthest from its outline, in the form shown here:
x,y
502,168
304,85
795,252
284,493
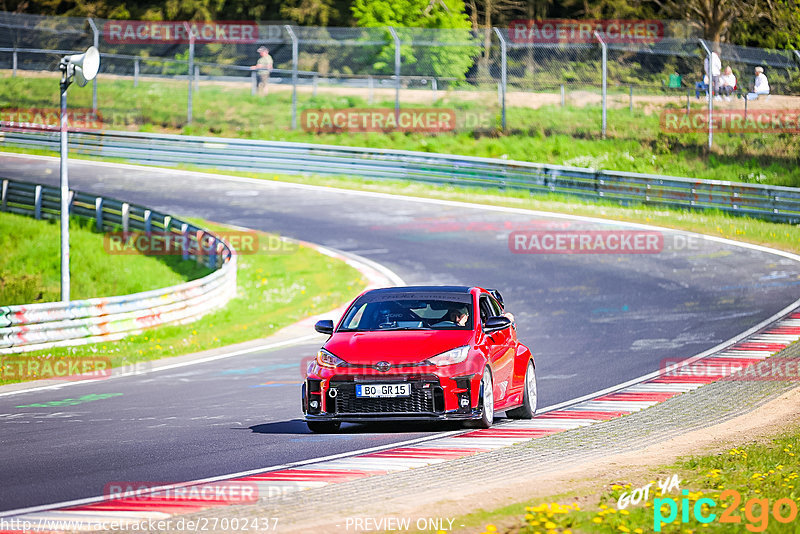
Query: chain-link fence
x,y
174,76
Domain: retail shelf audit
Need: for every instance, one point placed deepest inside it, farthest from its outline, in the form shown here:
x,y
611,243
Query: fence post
x,y
190,70
371,92
96,45
197,79
563,99
604,49
630,103
253,83
396,73
710,94
293,37
136,71
14,63
503,74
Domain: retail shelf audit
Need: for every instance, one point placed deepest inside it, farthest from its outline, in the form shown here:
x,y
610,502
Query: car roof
x,y
423,289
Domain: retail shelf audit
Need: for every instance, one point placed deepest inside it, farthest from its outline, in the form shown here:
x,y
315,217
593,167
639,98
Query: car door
x,y
500,349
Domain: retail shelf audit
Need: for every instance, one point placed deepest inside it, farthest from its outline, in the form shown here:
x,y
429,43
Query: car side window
x,y
486,309
496,308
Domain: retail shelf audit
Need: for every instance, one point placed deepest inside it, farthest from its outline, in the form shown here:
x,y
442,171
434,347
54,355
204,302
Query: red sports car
x,y
420,353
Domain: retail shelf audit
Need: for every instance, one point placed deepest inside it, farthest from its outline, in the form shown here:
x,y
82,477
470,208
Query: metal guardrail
x,y
39,326
774,203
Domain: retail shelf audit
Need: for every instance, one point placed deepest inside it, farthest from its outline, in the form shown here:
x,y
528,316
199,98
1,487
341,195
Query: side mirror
x,y
324,326
493,324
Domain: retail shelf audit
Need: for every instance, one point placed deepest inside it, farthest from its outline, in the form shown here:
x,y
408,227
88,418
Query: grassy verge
x,y
274,289
751,489
30,268
551,134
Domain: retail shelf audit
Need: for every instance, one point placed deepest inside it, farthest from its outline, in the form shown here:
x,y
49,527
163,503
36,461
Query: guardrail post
x,y
630,103
98,213
4,196
148,221
396,73
253,83
293,37
710,93
185,241
563,99
126,214
14,64
96,43
503,75
37,202
604,50
435,88
136,71
212,253
197,79
167,223
314,82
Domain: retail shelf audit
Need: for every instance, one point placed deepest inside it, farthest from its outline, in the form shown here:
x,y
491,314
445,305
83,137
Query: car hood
x,y
399,346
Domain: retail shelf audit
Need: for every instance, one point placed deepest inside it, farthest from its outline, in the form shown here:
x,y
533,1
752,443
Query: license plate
x,y
381,391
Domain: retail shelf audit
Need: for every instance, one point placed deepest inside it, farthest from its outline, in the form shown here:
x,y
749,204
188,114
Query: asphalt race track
x,y
592,320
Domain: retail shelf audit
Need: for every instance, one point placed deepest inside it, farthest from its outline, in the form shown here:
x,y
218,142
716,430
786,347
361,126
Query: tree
x,y
452,53
714,16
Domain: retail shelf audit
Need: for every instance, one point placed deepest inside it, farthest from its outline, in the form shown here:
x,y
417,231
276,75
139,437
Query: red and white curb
x,y
315,474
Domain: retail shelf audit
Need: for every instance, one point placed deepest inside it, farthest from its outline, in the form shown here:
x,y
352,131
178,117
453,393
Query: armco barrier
x,y
39,326
781,204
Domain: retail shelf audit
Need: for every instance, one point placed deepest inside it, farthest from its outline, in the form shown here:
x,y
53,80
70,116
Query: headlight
x,y
451,356
326,359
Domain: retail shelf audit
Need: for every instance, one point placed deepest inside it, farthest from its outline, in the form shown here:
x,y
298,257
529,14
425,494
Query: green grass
x,y
30,265
761,473
274,289
550,134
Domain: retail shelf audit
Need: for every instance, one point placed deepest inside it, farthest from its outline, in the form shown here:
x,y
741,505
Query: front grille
x,y
422,400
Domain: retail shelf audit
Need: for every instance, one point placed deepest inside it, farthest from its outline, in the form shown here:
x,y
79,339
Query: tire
x,y
323,427
529,396
486,401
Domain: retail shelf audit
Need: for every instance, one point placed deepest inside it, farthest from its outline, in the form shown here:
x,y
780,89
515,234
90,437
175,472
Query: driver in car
x,y
459,316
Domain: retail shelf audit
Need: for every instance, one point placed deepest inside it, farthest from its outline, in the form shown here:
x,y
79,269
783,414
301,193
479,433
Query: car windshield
x,y
445,312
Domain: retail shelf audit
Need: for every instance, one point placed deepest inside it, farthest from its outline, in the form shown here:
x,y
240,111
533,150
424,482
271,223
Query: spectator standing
x,y
727,83
710,78
760,86
264,67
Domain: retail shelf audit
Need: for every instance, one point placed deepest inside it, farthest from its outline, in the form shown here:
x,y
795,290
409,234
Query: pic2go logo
x,y
756,511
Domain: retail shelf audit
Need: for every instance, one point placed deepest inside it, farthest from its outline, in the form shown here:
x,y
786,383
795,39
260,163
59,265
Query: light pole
x,y
82,68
